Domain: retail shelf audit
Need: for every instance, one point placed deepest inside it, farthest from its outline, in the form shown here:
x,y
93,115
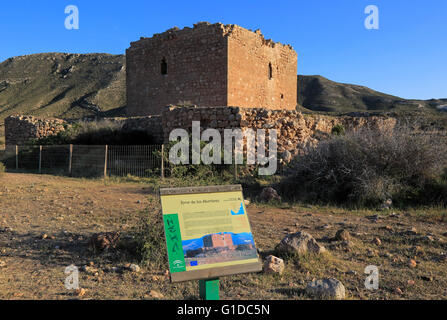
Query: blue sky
x,y
406,57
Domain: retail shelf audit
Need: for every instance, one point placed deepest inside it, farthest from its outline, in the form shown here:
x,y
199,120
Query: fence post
x,y
105,162
70,157
40,159
17,157
162,161
235,169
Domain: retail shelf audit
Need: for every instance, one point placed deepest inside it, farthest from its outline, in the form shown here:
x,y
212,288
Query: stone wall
x,y
21,129
152,125
294,130
260,72
209,65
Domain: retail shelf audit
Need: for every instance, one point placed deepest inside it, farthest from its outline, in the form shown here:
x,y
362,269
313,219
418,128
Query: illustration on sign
x,y
207,230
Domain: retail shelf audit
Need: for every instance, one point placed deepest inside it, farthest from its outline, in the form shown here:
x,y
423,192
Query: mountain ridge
x,y
69,85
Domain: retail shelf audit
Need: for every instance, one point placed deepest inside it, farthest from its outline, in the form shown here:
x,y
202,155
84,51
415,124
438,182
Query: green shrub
x,y
369,166
196,173
338,130
150,239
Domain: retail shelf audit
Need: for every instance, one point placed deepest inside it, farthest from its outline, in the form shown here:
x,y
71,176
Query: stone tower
x,y
210,65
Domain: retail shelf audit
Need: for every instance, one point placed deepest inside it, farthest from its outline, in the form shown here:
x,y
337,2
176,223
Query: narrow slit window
x,y
270,71
164,66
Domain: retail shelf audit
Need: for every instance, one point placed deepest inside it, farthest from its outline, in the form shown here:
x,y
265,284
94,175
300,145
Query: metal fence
x,y
86,160
98,160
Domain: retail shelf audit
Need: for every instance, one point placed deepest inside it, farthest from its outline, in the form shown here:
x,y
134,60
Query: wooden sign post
x,y
208,235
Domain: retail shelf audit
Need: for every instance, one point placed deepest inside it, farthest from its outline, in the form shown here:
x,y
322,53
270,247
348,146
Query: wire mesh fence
x,y
102,160
85,160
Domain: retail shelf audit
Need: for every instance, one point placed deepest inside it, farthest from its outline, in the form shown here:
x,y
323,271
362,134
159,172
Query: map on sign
x,y
207,232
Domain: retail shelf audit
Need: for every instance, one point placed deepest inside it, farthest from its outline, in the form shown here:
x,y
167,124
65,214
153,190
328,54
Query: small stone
x,y
156,294
2,264
300,242
410,282
80,292
273,264
134,268
377,241
412,263
286,156
326,289
398,291
342,235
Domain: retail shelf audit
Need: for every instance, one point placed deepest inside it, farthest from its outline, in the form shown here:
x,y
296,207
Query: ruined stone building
x,y
216,240
210,65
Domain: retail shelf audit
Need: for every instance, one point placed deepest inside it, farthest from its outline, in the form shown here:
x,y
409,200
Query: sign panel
x,y
207,232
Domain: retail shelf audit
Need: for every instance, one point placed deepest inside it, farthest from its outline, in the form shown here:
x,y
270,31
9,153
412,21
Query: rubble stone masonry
x,y
22,129
294,130
209,65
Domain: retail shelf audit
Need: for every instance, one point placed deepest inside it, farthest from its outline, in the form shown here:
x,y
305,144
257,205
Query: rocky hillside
x,y
62,85
320,94
76,85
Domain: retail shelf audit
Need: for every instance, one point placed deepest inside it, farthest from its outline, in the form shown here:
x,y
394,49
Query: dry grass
x,y
72,210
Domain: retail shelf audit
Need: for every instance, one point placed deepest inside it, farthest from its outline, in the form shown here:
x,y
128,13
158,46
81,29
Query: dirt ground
x,y
47,221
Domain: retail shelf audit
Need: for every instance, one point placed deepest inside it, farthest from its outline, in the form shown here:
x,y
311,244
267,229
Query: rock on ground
x,y
105,241
326,289
300,242
134,268
273,264
269,194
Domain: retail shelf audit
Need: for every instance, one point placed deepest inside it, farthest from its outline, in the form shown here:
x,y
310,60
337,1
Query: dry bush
x,y
2,168
369,166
